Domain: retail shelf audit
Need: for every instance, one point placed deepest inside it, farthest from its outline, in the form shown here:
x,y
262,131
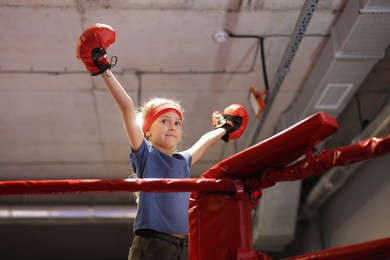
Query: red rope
x,y
374,250
18,187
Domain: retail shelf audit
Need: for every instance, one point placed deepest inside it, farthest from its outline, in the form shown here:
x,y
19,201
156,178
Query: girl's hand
x,y
233,120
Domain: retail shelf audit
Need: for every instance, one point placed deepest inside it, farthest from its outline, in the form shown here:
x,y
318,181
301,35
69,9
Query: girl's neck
x,y
166,151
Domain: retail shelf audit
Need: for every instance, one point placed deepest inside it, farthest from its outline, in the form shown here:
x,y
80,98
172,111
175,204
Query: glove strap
x,y
234,125
97,53
225,126
235,120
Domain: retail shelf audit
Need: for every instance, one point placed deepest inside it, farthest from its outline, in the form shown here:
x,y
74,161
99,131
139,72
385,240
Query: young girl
x,y
161,224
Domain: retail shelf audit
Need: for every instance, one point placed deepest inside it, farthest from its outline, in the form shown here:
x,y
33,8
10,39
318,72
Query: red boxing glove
x,y
92,45
234,120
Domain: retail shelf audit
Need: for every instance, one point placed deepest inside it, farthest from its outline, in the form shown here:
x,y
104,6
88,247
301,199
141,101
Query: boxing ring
x,y
222,199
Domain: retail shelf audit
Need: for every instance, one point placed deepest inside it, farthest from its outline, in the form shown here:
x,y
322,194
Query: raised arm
x,y
91,50
126,107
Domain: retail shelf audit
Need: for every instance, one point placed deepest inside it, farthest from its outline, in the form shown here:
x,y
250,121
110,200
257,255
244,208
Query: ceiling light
x,y
257,101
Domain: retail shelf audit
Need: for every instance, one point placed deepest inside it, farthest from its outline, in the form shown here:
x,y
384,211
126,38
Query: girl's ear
x,y
147,134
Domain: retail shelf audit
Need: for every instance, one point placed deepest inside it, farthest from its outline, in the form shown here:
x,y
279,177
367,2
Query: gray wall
x,y
356,213
360,211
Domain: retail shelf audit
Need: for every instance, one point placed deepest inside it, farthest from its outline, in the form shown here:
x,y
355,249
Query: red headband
x,y
158,111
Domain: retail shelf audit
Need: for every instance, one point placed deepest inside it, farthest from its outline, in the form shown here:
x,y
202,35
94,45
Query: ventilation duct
x,y
357,42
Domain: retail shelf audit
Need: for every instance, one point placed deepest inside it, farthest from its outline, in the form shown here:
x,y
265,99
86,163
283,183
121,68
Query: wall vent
x,y
333,96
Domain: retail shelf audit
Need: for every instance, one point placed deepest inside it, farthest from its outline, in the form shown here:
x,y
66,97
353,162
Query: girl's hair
x,y
153,102
133,195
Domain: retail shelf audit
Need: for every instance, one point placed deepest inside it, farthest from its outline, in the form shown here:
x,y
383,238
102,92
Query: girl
x,y
161,224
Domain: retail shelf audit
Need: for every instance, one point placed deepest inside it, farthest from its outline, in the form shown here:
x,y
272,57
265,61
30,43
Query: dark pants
x,y
150,245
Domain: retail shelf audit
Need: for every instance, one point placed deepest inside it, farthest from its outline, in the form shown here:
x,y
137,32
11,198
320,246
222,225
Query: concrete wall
x,y
356,213
360,211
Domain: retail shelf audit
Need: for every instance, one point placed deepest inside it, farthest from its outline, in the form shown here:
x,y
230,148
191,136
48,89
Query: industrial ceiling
x,y
58,122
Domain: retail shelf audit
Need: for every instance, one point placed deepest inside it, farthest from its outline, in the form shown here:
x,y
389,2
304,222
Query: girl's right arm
x,y
91,50
126,107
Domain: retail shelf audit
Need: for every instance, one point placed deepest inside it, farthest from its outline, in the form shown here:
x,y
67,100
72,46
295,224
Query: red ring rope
x,y
17,187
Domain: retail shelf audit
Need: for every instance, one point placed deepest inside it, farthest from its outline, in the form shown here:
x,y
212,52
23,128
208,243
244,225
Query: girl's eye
x,y
178,123
164,121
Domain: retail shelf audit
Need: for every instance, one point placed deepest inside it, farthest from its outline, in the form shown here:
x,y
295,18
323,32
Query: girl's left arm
x,y
204,143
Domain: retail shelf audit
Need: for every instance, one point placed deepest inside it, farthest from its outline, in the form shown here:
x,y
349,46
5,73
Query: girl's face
x,y
165,133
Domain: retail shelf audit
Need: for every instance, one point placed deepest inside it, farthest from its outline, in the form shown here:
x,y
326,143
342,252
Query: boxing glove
x,y
91,48
234,120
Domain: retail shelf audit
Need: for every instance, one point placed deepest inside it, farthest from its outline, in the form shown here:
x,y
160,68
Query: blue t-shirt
x,y
161,211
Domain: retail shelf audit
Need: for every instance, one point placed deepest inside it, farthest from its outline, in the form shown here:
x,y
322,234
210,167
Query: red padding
x,y
277,151
252,255
220,226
